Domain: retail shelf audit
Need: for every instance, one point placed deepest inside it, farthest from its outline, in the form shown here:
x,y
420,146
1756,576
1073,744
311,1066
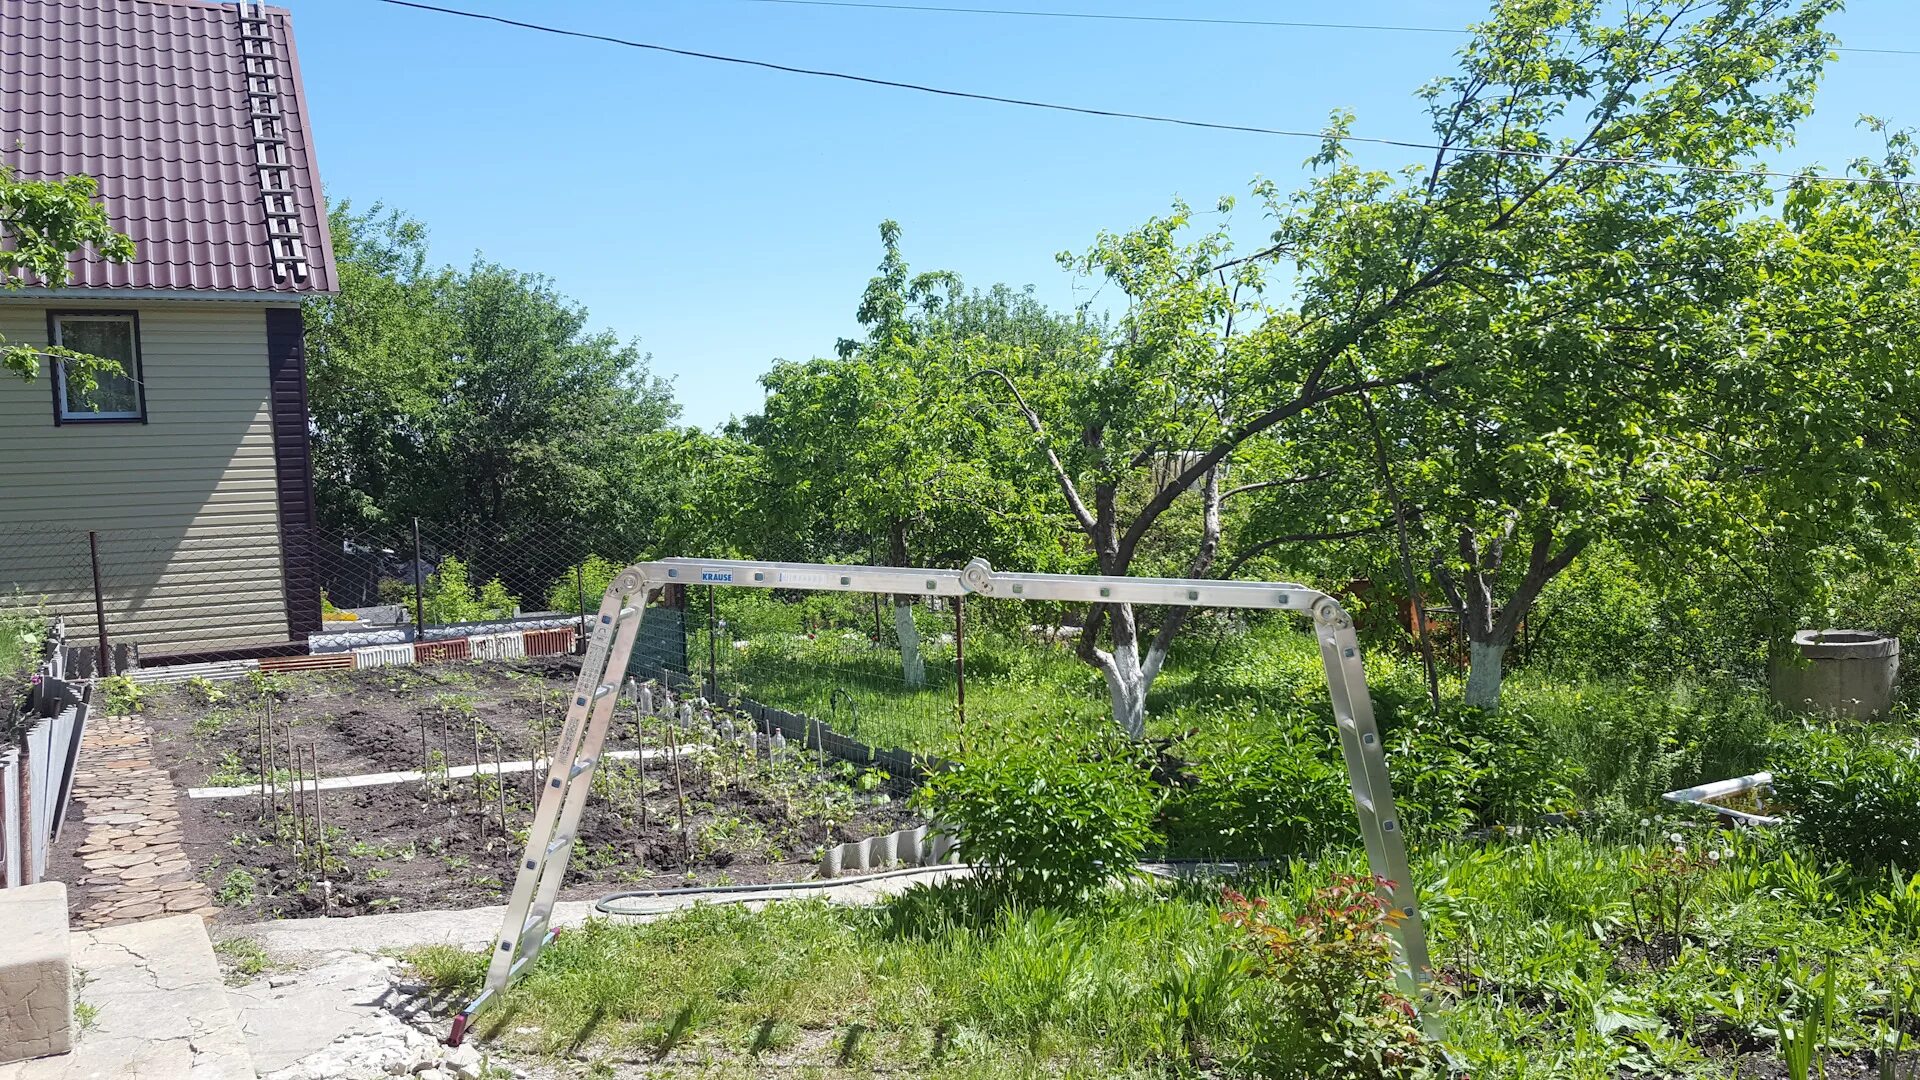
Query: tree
x,y
1563,134
43,224
886,452
479,401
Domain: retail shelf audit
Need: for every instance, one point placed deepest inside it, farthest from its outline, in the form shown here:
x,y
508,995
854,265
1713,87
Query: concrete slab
x,y
159,1008
36,1006
295,939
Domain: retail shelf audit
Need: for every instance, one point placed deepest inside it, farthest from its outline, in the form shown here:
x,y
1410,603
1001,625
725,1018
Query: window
x,y
111,336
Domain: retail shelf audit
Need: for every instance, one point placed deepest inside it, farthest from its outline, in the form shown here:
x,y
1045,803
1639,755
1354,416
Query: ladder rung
x,y
578,768
603,691
559,842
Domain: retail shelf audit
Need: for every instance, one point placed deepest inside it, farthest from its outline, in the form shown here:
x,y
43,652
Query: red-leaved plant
x,y
1330,971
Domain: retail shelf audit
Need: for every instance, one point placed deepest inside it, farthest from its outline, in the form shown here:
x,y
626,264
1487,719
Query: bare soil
x,y
439,843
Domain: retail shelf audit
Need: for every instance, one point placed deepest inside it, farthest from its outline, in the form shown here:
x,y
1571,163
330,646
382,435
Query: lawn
x,y
1553,964
1580,927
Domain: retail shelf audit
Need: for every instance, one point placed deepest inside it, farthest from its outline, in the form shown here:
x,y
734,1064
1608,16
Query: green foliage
x,y
42,224
1802,1038
237,889
480,397
243,957
1329,971
570,591
1854,797
21,633
202,691
449,597
1051,814
123,695
1458,767
1262,798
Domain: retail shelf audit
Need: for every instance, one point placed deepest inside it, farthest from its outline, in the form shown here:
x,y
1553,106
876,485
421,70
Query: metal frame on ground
x,y
524,931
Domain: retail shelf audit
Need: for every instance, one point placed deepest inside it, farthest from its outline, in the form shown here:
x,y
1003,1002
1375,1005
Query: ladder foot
x,y
459,1031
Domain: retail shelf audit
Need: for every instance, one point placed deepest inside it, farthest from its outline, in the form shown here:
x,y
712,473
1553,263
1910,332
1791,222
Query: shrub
x,y
1458,767
450,598
1852,797
1262,798
1328,973
1049,815
591,583
20,636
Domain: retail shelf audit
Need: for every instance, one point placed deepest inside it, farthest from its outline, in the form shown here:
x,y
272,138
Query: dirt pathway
x,y
128,863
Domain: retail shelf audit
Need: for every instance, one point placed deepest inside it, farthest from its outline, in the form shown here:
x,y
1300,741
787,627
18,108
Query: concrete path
x,y
474,928
154,1004
133,864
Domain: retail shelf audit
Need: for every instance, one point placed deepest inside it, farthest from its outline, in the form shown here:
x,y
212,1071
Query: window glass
x,y
110,337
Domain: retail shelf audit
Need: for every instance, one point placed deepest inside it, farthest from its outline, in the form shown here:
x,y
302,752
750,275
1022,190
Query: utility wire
x,y
1188,19
1318,136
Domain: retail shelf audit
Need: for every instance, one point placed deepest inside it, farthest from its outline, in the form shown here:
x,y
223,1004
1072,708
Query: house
x,y
192,470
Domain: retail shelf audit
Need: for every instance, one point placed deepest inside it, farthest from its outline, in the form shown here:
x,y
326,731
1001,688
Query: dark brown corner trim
x,y
293,467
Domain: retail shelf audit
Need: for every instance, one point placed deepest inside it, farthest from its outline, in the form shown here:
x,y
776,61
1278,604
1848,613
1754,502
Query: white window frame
x,y
61,413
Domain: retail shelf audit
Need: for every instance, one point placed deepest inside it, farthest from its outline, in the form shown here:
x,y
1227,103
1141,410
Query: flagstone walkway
x,y
132,864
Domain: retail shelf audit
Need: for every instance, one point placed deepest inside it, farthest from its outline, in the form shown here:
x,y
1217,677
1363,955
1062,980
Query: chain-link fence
x,y
925,675
261,590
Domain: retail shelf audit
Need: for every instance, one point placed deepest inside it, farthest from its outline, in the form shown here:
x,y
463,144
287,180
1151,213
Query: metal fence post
x,y
103,666
580,587
713,650
419,594
960,658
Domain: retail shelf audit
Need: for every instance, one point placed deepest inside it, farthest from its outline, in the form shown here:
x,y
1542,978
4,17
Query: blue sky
x,y
728,216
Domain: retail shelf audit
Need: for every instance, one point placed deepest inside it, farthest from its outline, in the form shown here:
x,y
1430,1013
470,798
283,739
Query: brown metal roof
x,y
151,98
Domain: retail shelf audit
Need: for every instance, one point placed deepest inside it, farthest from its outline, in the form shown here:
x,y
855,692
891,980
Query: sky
x,y
728,216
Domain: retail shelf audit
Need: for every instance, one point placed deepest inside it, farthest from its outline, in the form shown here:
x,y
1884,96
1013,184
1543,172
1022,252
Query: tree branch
x,y
1040,434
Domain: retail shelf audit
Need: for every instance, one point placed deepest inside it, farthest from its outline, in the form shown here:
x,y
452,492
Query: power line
x,y
1102,16
1318,136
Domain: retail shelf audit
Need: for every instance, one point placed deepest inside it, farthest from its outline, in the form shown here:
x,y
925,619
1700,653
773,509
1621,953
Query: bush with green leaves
x,y
581,588
451,598
1327,975
1457,767
21,633
1050,814
1268,798
1853,796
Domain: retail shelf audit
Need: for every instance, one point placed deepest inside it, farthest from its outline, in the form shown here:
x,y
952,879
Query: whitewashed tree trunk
x,y
913,669
1127,685
1484,674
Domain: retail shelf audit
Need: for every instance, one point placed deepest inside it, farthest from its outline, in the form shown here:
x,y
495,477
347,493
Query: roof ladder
x,y
273,164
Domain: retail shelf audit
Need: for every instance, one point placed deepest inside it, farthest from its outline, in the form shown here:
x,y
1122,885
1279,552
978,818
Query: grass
x,y
243,958
1536,943
1617,744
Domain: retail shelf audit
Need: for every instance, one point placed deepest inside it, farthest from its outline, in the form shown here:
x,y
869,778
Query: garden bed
x,y
438,842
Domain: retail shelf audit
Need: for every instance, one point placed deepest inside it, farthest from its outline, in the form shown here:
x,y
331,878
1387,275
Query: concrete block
x,y
36,972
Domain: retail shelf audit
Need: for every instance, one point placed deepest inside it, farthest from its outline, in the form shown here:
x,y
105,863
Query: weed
x,y
243,957
123,695
237,888
201,691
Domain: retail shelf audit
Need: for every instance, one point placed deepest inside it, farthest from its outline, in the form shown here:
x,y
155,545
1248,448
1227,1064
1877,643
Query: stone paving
x,y
132,864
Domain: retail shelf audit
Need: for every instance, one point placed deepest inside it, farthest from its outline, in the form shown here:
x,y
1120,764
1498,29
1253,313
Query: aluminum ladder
x,y
526,928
